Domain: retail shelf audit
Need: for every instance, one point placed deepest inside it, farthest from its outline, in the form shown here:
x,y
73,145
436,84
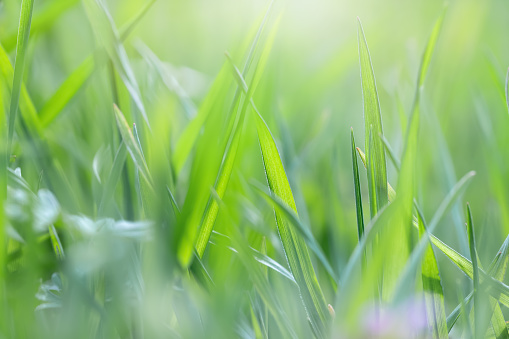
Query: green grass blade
x,y
428,51
419,250
357,189
294,246
25,20
26,106
66,91
106,33
55,242
455,314
230,153
218,89
377,168
507,89
74,82
475,267
42,20
432,286
398,233
303,230
132,145
198,196
220,239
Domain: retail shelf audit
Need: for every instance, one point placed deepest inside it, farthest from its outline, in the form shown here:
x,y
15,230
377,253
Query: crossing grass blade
x,y
478,330
398,234
75,81
220,239
26,106
432,286
25,20
217,160
257,276
131,145
303,230
108,37
357,189
218,89
226,168
294,246
375,151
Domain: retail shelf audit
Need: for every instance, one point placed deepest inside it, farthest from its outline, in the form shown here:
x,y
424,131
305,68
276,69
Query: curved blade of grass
x,y
25,20
257,275
226,168
473,256
357,189
507,89
81,74
218,89
303,230
432,286
198,196
220,239
132,145
106,33
398,232
358,195
66,91
55,242
26,106
188,138
377,169
428,51
419,249
277,203
479,308
294,246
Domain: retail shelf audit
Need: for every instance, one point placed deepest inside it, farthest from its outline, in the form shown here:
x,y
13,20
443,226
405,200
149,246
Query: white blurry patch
x,y
46,210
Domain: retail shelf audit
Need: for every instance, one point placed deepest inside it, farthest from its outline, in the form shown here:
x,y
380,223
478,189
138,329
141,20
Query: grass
x,y
155,185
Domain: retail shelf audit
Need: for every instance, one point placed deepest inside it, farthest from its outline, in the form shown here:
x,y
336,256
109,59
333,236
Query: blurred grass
x,y
100,217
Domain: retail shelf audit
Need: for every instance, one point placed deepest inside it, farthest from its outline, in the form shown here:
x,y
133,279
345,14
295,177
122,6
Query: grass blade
x,y
198,196
55,242
428,51
432,286
357,189
294,246
132,145
25,20
42,20
375,151
478,331
226,168
107,35
303,230
75,81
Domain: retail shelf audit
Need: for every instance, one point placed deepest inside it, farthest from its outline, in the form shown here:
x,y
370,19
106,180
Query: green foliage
x,y
155,186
